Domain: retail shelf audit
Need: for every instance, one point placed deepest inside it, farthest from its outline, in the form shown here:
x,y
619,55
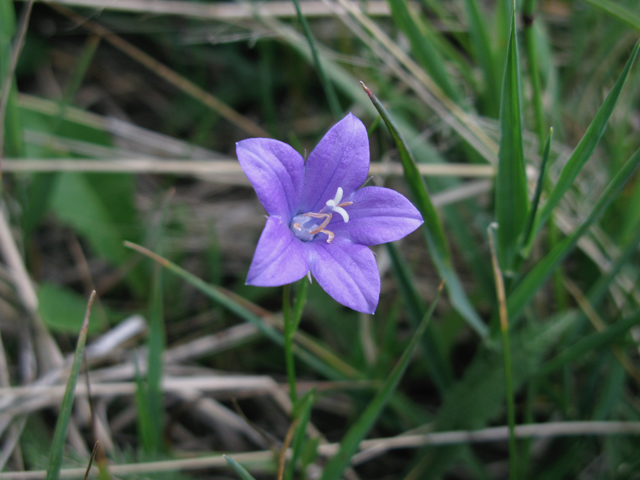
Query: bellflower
x,y
319,219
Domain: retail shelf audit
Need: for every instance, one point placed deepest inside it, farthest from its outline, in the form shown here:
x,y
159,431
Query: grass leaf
x,y
528,230
60,436
618,11
481,47
432,228
439,368
543,268
512,201
591,342
240,470
585,148
423,49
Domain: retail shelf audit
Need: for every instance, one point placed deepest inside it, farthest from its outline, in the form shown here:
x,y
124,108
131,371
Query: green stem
x,y
332,98
289,331
511,407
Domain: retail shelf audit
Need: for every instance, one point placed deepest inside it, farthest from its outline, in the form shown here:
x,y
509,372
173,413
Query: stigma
x,y
307,225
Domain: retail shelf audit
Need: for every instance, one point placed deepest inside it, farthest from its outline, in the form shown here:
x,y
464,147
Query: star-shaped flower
x,y
319,219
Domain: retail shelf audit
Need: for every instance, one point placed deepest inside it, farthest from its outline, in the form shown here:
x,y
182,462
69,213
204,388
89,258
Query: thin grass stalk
x,y
93,456
504,327
302,414
282,458
240,470
60,435
289,330
525,239
332,98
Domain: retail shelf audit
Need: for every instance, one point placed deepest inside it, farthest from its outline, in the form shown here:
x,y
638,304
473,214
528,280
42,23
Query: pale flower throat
x,y
306,226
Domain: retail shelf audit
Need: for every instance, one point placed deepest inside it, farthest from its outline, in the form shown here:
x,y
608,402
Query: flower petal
x,y
276,172
279,258
378,215
347,272
341,159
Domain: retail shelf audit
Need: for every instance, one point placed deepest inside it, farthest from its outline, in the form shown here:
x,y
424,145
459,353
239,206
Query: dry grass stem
x,y
370,448
464,124
221,11
216,167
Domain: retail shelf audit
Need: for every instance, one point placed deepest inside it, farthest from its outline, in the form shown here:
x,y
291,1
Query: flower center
x,y
306,226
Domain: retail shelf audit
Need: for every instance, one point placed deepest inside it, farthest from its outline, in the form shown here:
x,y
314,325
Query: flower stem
x,y
289,330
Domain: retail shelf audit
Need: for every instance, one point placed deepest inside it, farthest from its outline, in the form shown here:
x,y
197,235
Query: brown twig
x,y
285,446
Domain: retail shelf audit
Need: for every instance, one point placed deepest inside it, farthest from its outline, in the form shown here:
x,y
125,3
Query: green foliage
x,y
432,228
60,436
512,201
349,445
62,310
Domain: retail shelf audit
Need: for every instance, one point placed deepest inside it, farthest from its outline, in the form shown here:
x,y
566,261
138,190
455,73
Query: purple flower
x,y
319,220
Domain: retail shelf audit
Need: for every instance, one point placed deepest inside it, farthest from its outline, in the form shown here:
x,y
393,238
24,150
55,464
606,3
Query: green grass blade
x,y
332,98
536,277
591,342
155,366
11,135
240,470
484,56
434,232
618,11
349,445
587,145
512,200
423,49
627,249
60,435
329,365
439,369
528,230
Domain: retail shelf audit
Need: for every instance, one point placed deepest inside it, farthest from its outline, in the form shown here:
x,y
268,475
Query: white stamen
x,y
343,212
336,201
334,205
